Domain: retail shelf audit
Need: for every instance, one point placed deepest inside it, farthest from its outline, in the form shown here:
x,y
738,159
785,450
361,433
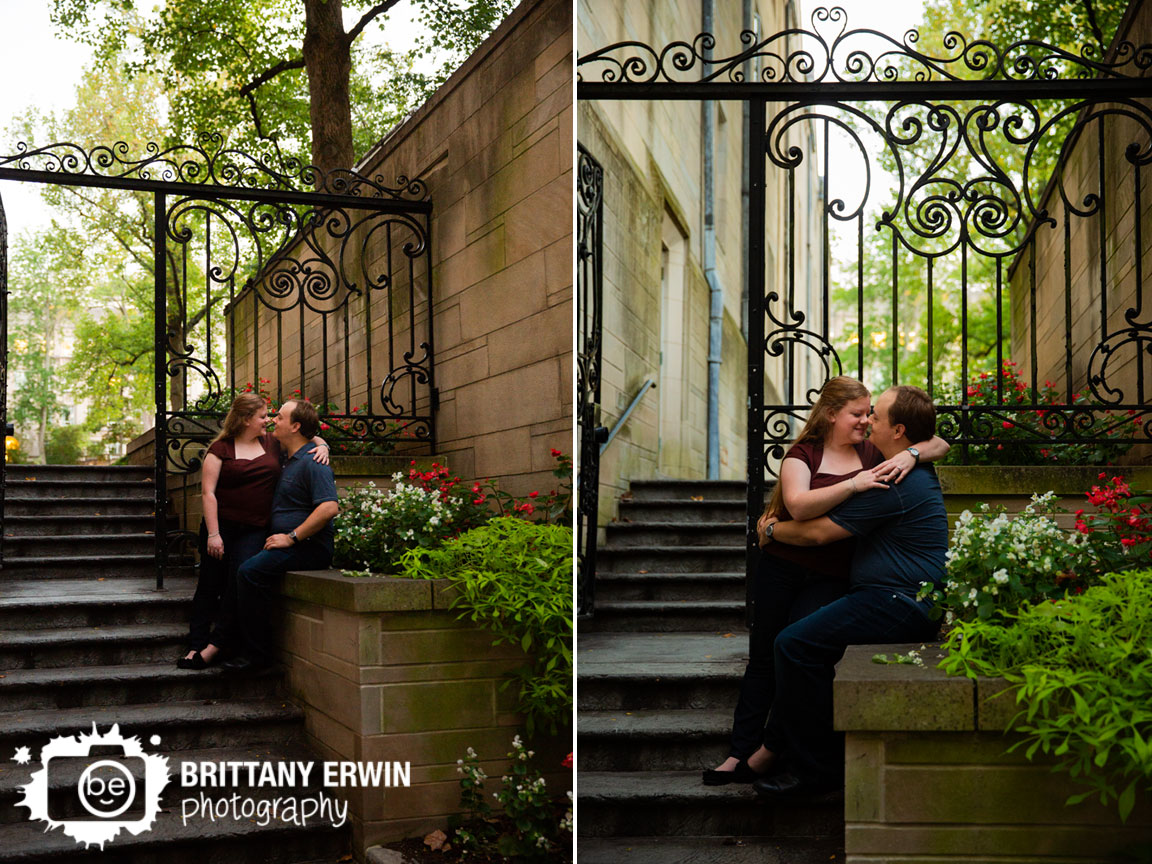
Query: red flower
x,y
567,763
533,494
1006,425
555,452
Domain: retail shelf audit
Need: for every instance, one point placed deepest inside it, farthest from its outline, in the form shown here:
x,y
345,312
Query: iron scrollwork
x,y
833,53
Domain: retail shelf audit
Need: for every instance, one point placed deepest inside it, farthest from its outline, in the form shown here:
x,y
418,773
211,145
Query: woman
x,y
238,477
828,463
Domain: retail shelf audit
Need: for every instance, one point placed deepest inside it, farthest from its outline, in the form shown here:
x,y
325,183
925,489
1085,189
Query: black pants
x,y
216,595
784,592
257,584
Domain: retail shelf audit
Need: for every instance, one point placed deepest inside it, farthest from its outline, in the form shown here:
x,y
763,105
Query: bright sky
x,y
36,68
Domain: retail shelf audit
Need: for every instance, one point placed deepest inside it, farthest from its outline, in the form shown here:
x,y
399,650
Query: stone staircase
x,y
85,638
659,667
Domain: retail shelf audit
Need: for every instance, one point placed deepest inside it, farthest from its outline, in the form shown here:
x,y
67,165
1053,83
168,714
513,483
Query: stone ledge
x,y
892,697
1064,480
365,594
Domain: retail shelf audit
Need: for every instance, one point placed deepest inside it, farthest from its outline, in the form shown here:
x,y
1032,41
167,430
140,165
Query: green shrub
x,y
1080,670
514,578
65,445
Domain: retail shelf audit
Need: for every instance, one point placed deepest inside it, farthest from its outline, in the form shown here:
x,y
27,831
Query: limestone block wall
x,y
385,672
1086,261
928,777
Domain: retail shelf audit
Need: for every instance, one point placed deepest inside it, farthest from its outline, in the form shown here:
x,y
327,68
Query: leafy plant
x,y
529,829
1080,670
1120,516
996,564
377,526
555,508
1027,430
514,578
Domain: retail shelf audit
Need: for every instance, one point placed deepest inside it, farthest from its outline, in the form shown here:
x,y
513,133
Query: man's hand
x,y
896,468
278,541
762,529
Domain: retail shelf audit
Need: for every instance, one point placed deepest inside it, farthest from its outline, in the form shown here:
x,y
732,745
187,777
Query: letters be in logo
x,y
92,786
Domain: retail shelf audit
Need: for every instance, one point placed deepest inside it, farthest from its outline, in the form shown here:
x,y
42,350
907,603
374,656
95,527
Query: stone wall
x,y
928,778
1101,248
384,671
656,301
493,147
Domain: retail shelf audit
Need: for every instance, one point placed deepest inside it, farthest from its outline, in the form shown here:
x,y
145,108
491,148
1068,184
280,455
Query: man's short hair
x,y
306,415
913,409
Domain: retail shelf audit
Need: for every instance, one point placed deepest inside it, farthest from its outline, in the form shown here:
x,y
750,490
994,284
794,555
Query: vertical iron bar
x,y
999,333
860,296
1103,223
928,356
433,393
895,314
303,367
825,246
964,315
390,305
411,330
789,317
756,283
324,354
207,290
160,304
1032,306
1067,306
348,356
1134,314
368,343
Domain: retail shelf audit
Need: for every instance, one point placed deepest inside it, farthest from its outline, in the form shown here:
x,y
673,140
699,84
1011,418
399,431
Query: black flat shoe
x,y
194,662
787,785
742,773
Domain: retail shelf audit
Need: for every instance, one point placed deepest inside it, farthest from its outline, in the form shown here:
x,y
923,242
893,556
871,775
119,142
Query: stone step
x,y
64,777
679,510
711,850
676,803
670,559
60,647
97,567
683,534
647,616
57,526
40,603
667,740
650,671
134,684
55,489
670,587
198,724
86,505
78,545
688,490
92,473
169,841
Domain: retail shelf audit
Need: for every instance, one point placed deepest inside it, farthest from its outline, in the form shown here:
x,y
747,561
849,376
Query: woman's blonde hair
x,y
244,408
834,395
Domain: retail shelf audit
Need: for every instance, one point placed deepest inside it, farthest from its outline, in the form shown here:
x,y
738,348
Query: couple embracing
x,y
853,528
269,500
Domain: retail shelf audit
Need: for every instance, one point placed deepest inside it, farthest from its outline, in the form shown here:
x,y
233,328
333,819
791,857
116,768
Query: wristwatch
x,y
292,535
915,455
768,531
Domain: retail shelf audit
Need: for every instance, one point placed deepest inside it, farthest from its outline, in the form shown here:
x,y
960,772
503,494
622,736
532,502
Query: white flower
x,y
1000,576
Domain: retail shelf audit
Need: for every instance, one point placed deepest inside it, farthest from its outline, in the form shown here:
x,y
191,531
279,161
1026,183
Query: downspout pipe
x,y
716,296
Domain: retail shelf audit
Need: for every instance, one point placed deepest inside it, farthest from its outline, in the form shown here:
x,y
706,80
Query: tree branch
x,y
367,18
271,72
1096,31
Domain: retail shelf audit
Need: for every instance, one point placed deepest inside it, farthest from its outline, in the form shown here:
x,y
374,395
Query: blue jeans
x,y
256,585
784,592
800,726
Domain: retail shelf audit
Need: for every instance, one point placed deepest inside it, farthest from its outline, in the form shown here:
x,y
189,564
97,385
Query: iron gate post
x,y
160,304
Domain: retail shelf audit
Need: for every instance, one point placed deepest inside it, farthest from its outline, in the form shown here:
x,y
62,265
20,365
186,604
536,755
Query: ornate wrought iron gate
x,y
1014,180
590,290
282,282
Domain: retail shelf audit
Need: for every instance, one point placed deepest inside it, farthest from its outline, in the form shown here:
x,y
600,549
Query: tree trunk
x,y
328,62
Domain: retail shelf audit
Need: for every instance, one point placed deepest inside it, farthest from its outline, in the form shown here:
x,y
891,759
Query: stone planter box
x,y
385,672
928,778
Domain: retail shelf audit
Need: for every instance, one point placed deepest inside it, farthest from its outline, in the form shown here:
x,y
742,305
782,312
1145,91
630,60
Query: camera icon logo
x,y
92,786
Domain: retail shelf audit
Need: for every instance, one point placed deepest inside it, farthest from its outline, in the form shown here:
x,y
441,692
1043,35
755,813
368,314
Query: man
x,y
902,535
303,507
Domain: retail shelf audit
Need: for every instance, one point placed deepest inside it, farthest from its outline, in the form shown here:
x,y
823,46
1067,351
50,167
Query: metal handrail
x,y
649,384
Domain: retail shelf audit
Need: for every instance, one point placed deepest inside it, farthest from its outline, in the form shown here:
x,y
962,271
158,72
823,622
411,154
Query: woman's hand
x,y
216,547
320,453
896,468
